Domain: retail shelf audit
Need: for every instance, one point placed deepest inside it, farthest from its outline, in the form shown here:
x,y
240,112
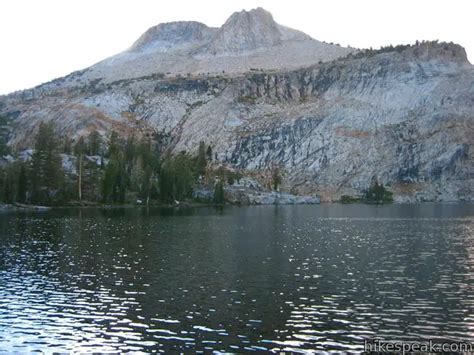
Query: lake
x,y
243,279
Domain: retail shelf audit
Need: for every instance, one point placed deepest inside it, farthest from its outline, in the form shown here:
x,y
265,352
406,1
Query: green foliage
x,y
119,171
9,183
115,180
91,178
80,147
177,177
224,174
247,99
201,159
349,199
5,122
276,178
115,145
219,193
370,52
130,149
209,153
22,188
95,144
46,167
4,150
230,179
377,193
67,145
13,183
145,170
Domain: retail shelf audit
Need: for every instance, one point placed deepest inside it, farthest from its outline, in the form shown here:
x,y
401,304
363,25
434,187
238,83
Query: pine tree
x,y
91,178
10,185
167,181
108,181
67,145
378,193
115,180
276,178
145,170
201,161
177,177
115,147
3,147
46,167
79,150
184,176
22,183
2,183
130,149
209,153
95,143
219,192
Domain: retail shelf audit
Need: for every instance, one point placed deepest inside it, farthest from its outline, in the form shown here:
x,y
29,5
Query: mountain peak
x,y
258,15
172,35
247,40
251,30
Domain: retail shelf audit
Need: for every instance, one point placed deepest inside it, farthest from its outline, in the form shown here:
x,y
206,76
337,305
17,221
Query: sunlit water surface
x,y
237,279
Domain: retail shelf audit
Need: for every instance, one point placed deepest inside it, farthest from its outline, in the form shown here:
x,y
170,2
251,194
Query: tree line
x,y
375,194
95,170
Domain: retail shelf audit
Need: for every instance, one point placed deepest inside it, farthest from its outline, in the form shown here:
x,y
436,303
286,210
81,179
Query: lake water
x,y
235,279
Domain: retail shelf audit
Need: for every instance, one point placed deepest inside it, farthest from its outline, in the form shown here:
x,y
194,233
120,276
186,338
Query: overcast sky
x,y
45,39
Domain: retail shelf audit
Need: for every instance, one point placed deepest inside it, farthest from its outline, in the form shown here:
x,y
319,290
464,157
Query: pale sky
x,y
45,39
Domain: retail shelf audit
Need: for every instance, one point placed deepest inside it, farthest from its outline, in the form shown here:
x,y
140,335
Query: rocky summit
x,y
332,119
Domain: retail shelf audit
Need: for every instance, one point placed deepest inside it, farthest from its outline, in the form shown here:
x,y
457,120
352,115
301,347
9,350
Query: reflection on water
x,y
238,279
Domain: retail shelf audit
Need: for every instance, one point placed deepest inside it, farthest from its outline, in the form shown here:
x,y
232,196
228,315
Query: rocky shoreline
x,y
248,191
243,196
22,207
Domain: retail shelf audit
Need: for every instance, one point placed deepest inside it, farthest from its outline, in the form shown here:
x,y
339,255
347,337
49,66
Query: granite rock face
x,y
249,31
404,116
173,36
250,192
248,40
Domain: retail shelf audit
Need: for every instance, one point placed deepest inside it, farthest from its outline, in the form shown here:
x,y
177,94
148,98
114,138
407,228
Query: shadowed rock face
x,y
402,115
173,36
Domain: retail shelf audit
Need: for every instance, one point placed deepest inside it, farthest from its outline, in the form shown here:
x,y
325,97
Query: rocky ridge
x,y
402,115
247,40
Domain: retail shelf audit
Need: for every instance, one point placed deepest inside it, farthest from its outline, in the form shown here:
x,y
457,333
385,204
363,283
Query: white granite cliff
x,y
331,121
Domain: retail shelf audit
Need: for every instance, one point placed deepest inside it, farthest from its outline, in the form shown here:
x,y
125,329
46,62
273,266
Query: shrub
x,y
349,199
219,193
377,193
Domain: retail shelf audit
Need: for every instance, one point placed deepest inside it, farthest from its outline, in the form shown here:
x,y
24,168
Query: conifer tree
x,y
176,177
2,183
209,153
115,180
218,192
145,169
276,178
201,160
79,150
95,143
10,184
67,145
114,147
3,147
22,183
46,167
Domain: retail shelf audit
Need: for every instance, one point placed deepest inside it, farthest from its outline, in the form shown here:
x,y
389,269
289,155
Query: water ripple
x,y
257,279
